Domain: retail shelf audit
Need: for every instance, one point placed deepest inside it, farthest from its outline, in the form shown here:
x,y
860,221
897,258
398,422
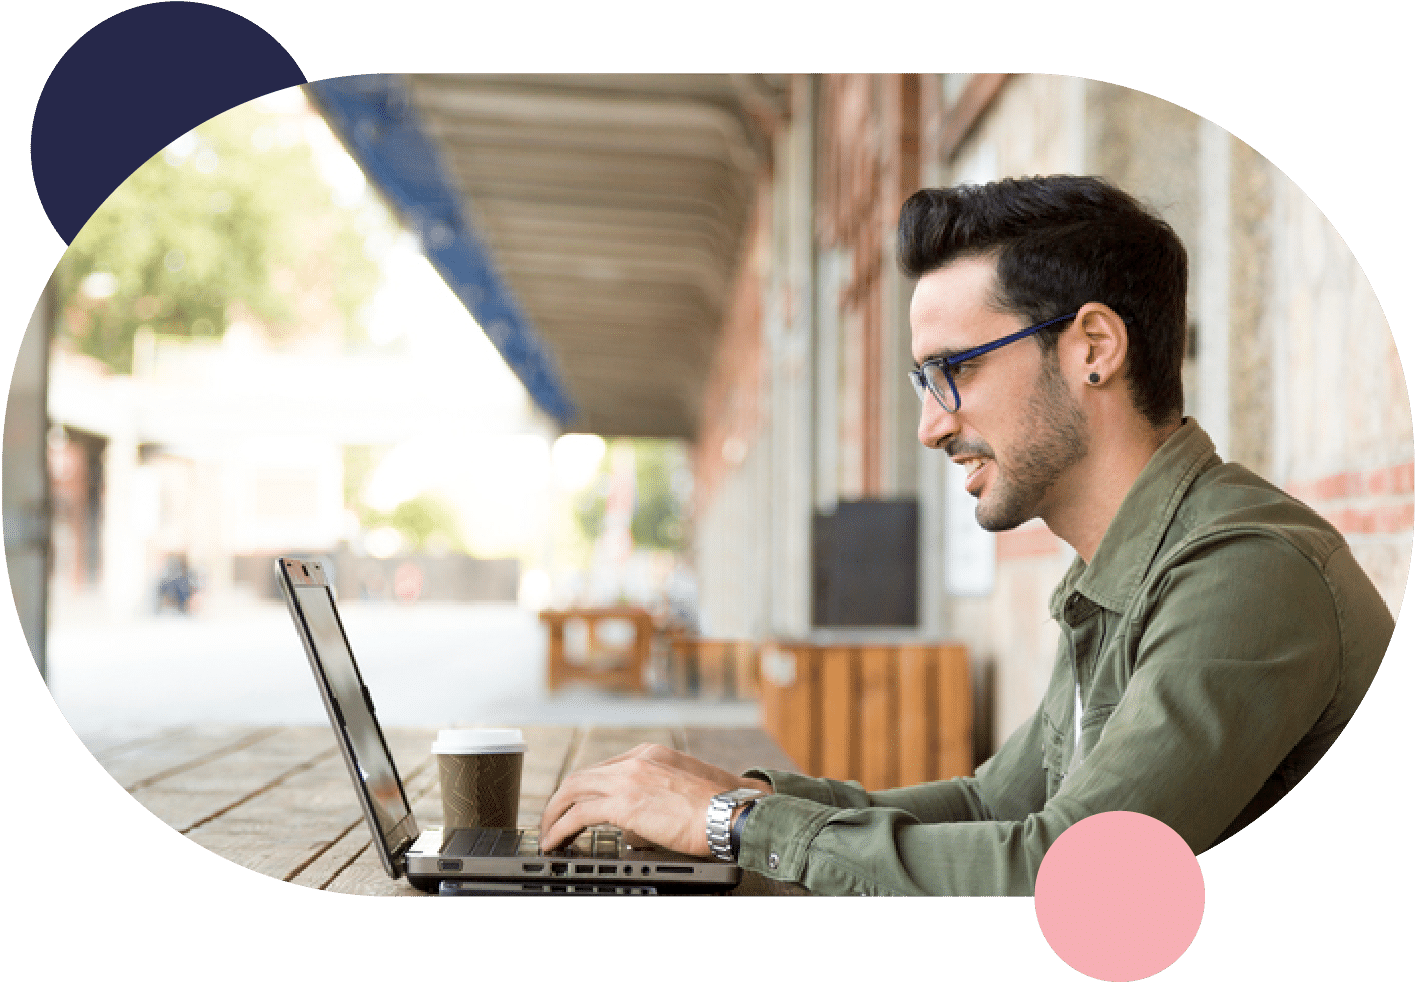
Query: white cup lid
x,y
478,741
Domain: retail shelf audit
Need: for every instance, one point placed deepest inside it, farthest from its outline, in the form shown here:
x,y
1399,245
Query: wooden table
x,y
278,800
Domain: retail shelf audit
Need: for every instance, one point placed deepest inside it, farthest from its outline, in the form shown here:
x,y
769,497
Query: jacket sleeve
x,y
1216,698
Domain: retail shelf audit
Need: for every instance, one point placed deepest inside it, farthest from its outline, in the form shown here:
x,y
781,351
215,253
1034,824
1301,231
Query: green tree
x,y
662,485
422,520
231,221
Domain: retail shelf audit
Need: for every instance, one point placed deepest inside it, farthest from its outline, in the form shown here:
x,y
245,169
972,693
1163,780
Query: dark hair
x,y
1062,241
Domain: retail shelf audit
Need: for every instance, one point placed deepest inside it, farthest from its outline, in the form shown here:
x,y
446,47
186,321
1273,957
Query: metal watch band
x,y
718,825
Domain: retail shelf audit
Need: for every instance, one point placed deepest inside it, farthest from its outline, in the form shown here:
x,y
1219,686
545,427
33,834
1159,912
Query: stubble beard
x,y
1059,441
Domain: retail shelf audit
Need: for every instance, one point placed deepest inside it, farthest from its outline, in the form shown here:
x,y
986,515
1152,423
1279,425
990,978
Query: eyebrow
x,y
944,353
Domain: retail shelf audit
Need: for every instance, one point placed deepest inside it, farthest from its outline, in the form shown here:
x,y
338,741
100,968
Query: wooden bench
x,y
607,648
883,714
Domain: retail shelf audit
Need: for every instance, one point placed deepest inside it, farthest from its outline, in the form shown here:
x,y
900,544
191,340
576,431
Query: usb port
x,y
532,868
584,869
450,865
607,869
559,867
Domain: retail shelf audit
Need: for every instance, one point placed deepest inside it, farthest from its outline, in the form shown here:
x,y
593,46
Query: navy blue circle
x,y
131,86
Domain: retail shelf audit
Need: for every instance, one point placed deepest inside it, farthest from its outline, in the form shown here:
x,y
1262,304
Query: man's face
x,y
1017,432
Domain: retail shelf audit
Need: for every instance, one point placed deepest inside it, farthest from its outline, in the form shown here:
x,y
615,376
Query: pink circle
x,y
1119,896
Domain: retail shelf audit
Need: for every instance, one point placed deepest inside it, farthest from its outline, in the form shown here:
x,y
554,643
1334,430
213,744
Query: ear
x,y
1098,345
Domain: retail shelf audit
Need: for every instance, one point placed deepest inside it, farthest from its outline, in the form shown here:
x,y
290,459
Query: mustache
x,y
958,448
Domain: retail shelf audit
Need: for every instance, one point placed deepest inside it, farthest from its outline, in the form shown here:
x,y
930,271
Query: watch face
x,y
741,796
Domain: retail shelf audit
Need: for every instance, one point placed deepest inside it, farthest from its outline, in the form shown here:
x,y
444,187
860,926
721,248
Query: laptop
x,y
463,861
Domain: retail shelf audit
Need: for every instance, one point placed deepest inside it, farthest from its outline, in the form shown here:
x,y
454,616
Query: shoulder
x,y
1246,560
1229,505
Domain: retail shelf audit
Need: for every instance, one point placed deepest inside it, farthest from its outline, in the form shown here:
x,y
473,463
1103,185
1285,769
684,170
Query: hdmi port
x,y
674,869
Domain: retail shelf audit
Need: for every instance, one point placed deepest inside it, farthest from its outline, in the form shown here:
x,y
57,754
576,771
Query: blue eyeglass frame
x,y
925,382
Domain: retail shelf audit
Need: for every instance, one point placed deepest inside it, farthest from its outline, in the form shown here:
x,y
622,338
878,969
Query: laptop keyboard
x,y
490,843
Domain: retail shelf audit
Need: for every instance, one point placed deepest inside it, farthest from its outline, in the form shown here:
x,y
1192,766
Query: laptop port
x,y
584,869
558,888
674,869
607,869
532,869
449,865
559,867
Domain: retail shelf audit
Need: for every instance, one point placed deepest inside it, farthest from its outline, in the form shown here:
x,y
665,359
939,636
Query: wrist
x,y
722,810
739,823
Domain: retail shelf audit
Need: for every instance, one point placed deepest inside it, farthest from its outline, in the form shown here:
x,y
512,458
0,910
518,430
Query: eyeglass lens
x,y
932,377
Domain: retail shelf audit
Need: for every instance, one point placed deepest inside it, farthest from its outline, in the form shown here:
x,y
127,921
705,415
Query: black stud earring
x,y
1093,379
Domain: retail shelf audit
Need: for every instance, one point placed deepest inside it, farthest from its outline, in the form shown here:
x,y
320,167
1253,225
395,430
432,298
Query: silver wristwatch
x,y
720,815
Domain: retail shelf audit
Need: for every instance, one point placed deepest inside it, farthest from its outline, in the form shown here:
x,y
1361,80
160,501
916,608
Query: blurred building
x,y
220,455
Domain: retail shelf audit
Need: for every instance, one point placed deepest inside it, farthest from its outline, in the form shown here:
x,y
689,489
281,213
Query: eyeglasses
x,y
932,374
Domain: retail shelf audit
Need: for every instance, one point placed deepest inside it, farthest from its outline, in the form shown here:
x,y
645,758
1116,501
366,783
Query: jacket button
x,y
773,860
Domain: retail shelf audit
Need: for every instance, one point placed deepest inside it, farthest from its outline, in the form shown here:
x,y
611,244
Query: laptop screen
x,y
371,758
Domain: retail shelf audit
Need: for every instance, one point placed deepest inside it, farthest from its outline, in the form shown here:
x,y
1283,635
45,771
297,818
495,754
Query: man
x,y
1215,634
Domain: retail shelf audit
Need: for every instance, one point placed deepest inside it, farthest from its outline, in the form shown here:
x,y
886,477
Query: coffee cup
x,y
480,773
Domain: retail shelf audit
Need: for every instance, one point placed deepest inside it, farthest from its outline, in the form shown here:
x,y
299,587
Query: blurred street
x,y
426,665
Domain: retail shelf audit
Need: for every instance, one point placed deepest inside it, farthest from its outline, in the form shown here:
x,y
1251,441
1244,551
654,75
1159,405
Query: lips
x,y
973,473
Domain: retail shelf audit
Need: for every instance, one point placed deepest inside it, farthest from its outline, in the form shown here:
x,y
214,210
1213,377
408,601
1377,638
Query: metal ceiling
x,y
614,207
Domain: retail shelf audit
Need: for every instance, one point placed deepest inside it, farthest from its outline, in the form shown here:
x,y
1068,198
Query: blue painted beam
x,y
373,117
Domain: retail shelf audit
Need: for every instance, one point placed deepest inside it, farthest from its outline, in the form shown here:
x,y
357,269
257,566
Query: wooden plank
x,y
140,763
287,827
878,732
745,664
789,701
918,736
683,667
955,712
736,750
193,796
601,742
840,720
715,670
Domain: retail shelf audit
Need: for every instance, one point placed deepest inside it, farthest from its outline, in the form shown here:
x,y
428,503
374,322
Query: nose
x,y
936,425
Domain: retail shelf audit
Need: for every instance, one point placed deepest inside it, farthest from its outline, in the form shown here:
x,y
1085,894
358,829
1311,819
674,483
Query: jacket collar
x,y
1135,533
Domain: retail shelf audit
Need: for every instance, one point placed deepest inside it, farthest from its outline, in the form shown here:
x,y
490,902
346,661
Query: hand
x,y
651,792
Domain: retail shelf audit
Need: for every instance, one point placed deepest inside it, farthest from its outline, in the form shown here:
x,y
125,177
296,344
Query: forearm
x,y
886,851
948,800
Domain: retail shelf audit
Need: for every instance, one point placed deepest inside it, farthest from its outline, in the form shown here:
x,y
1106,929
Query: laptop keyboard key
x,y
485,840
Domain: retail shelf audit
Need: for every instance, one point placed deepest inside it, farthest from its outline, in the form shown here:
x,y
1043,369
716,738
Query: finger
x,y
580,815
597,781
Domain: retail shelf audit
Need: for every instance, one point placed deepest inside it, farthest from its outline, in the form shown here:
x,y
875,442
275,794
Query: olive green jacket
x,y
1209,655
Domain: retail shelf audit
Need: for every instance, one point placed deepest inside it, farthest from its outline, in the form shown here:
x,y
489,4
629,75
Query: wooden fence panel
x,y
884,715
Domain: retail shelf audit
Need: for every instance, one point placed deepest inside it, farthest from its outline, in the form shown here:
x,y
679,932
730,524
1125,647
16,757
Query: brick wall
x,y
733,395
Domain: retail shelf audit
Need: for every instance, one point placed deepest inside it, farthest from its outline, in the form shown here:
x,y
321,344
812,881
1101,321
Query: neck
x,y
1098,484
